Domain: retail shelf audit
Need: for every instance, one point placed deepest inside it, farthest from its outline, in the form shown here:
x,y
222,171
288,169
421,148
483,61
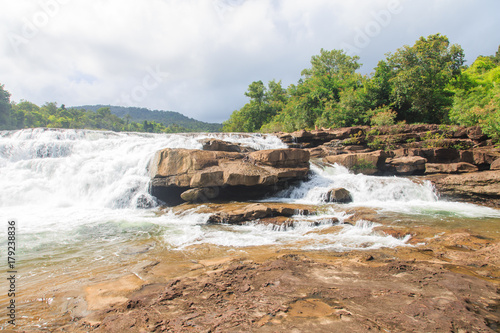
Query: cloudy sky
x,y
198,57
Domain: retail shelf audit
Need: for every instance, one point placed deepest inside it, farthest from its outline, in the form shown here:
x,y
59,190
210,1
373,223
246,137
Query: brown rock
x,y
475,133
200,194
408,165
281,158
340,195
485,155
265,171
445,155
302,135
244,212
219,145
171,162
450,168
476,186
368,163
495,165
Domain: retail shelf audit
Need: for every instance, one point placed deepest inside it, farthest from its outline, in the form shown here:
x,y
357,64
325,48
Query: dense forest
x,y
424,83
26,115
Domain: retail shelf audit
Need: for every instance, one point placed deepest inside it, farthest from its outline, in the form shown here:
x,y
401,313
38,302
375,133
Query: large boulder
x,y
177,171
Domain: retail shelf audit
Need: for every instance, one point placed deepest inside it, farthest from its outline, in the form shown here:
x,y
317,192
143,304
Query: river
x,y
84,214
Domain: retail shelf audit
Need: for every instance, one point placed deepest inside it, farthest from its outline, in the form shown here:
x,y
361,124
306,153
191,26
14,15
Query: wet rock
x,y
200,194
266,213
339,195
294,293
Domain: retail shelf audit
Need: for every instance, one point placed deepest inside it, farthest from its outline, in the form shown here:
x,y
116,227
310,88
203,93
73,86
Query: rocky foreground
x,y
450,284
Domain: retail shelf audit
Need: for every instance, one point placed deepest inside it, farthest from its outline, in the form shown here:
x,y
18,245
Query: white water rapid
x,y
81,197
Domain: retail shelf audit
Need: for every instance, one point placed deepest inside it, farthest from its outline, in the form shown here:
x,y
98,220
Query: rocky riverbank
x,y
461,162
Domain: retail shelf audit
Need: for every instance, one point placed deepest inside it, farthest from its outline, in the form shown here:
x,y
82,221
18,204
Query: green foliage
x,y
329,95
420,78
387,143
478,102
265,103
29,115
382,116
416,84
363,164
5,108
435,140
355,139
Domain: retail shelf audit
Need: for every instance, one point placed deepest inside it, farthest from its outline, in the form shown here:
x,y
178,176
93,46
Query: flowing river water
x,y
84,214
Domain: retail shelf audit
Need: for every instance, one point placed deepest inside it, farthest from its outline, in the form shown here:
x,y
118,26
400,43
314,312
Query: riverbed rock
x,y
220,145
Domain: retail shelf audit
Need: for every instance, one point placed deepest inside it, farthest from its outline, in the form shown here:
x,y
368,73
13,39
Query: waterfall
x,y
75,187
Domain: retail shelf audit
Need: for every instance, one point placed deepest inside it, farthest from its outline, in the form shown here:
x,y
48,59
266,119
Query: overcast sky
x,y
198,57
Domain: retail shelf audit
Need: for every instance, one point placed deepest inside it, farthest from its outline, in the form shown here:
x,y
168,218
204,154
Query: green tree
x,y
421,75
265,103
325,96
478,101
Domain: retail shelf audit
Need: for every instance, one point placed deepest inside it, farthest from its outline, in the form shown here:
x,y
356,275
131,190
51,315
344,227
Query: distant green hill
x,y
167,118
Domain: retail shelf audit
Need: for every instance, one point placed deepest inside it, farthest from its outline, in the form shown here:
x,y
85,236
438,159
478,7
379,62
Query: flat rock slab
x,y
292,293
238,213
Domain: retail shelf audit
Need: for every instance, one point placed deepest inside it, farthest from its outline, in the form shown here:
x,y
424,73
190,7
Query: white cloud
x,y
85,52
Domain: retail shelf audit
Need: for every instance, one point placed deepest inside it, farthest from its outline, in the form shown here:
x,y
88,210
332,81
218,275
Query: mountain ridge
x,y
167,118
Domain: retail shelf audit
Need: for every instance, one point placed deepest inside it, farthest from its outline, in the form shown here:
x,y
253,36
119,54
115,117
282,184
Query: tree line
x,y
424,83
29,115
